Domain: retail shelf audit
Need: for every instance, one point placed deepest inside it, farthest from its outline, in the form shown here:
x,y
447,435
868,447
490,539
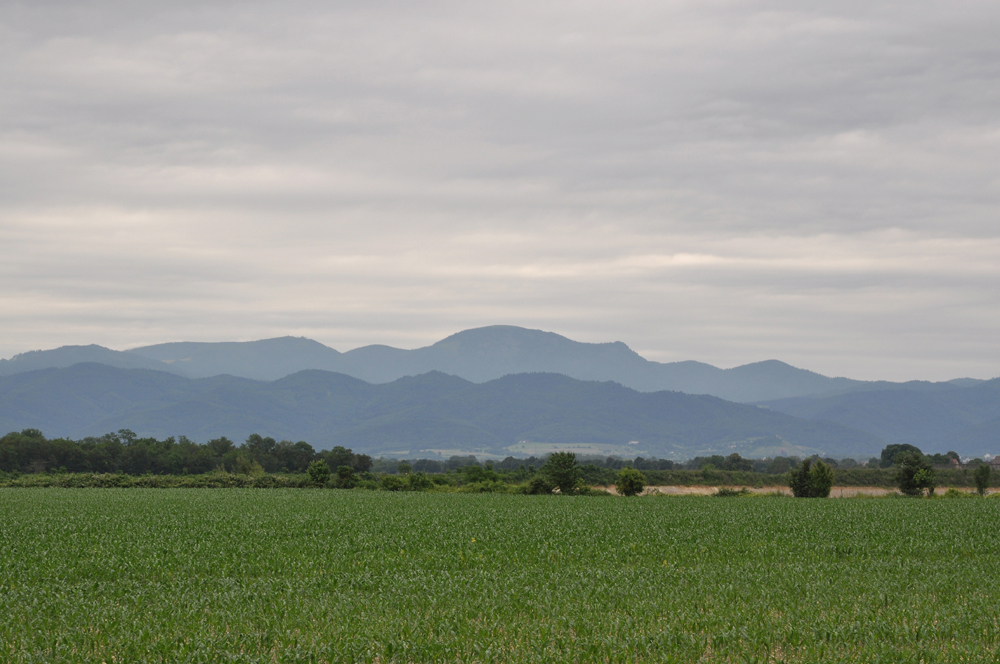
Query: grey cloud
x,y
724,181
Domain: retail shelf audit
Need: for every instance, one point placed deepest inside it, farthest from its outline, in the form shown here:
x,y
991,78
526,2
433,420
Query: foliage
x,y
725,492
890,454
358,576
318,472
539,484
418,482
630,482
29,451
811,480
475,473
346,478
914,474
982,477
562,471
488,486
392,483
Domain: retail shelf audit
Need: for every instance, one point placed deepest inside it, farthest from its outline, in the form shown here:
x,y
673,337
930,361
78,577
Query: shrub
x,y
391,483
584,490
246,466
539,484
630,482
811,480
488,486
318,472
724,492
982,476
915,474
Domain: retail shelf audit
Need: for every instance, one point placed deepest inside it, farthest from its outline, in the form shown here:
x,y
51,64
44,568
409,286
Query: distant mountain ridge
x,y
411,415
959,416
477,355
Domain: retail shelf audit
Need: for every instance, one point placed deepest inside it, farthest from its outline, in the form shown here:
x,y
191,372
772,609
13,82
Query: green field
x,y
193,575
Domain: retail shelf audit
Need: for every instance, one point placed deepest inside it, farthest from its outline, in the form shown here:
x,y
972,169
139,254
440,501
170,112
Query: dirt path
x,y
836,492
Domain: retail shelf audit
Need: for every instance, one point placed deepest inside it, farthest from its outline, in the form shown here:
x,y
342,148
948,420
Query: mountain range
x,y
477,355
432,413
212,389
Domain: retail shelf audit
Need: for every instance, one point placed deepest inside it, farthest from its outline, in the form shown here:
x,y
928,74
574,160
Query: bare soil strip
x,y
835,492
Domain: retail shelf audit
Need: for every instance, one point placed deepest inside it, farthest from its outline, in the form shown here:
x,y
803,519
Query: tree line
x,y
29,451
905,466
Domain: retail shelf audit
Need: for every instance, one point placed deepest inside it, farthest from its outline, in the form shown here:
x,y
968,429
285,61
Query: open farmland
x,y
312,575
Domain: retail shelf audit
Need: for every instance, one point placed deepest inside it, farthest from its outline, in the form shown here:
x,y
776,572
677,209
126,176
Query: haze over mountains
x,y
477,355
486,389
427,414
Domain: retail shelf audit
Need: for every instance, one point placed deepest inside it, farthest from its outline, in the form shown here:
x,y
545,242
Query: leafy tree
x,y
735,462
630,482
418,482
220,446
982,476
475,474
915,474
346,478
562,471
781,464
890,452
404,468
244,465
319,472
811,480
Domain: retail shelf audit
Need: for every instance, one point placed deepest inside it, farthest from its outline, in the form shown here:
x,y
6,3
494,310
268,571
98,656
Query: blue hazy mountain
x,y
431,411
477,355
961,415
67,356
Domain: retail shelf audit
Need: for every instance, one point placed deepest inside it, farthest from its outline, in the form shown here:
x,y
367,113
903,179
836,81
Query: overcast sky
x,y
721,181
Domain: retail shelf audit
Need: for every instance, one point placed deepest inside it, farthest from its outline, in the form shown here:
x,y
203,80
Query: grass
x,y
203,575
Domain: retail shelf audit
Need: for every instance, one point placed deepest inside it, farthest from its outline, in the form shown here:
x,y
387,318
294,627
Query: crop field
x,y
203,575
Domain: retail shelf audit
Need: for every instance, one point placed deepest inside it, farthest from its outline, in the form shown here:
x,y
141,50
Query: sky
x,y
728,182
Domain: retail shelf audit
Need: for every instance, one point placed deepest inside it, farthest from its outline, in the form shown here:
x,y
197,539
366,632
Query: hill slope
x,y
432,411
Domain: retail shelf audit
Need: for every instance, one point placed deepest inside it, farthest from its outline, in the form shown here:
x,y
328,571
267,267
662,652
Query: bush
x,y
539,484
915,474
584,490
318,472
630,482
724,492
488,486
247,466
391,483
811,481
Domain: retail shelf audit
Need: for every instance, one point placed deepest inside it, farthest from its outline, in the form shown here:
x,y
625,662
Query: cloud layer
x,y
722,181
